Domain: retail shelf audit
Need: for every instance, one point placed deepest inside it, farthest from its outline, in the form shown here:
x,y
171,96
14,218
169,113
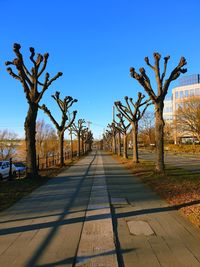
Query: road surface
x,y
188,162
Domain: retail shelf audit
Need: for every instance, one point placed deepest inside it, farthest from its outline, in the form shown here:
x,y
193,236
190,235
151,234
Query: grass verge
x,y
179,187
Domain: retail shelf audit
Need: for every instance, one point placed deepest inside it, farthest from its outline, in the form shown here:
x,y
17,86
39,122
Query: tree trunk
x,y
114,149
61,146
30,133
119,144
71,145
135,142
125,146
85,148
159,136
79,145
82,144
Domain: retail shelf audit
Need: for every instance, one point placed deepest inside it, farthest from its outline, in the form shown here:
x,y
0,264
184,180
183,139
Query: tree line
x,y
131,112
34,88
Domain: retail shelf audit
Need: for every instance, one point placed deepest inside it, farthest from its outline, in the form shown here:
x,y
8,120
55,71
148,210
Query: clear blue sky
x,y
94,43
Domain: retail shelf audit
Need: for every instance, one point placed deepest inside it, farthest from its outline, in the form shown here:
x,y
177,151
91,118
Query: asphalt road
x,y
185,161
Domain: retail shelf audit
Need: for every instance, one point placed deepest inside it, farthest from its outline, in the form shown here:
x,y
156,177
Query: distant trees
x,y
113,133
64,106
46,139
8,144
30,80
87,140
147,128
123,129
158,99
77,130
188,117
132,112
107,140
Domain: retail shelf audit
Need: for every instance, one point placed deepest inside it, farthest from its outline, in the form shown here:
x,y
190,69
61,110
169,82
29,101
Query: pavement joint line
x,y
97,246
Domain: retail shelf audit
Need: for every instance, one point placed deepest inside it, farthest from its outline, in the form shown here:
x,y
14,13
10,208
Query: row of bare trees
x,y
34,89
132,113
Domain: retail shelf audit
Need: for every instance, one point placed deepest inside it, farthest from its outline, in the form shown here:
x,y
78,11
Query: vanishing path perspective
x,y
96,213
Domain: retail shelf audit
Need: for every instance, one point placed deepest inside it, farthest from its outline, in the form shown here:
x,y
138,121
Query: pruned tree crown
x,y
64,106
30,78
162,86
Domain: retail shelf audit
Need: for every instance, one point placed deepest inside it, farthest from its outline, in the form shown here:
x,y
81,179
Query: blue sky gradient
x,y
94,43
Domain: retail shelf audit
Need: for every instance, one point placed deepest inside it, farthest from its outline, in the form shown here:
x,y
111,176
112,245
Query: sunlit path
x,y
96,214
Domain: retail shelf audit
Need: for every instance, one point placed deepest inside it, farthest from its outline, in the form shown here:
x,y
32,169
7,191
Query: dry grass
x,y
180,188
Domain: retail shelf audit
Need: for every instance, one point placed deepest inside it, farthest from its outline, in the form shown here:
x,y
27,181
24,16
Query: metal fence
x,y
46,162
50,161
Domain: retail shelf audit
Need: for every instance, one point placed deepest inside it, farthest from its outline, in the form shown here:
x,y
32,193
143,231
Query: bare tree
x,y
77,129
113,132
30,82
8,144
46,138
64,106
123,128
88,140
187,117
107,140
133,114
147,128
158,99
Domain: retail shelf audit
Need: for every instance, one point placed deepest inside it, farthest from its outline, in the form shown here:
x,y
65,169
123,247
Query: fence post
x,y
10,170
53,159
58,158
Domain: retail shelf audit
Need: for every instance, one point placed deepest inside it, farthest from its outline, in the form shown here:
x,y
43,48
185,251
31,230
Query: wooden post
x,y
10,170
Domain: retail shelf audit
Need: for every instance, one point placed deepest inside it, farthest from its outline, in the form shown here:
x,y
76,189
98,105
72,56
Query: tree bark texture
x,y
159,136
30,135
135,142
61,143
125,155
79,145
119,144
114,148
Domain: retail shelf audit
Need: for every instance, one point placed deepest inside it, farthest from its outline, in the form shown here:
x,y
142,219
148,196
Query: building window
x,y
191,92
197,91
186,93
176,95
181,94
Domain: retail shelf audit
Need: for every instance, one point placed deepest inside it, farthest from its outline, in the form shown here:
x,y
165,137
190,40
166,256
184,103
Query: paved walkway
x,y
96,214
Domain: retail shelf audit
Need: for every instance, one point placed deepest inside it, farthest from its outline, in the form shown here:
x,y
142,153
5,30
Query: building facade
x,y
188,86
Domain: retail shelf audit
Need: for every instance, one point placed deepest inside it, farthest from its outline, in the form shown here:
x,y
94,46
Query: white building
x,y
188,86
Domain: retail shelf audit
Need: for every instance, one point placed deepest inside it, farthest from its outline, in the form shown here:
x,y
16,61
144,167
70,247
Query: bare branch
x,y
72,120
157,57
45,60
146,59
9,70
54,78
32,50
175,74
48,112
165,67
144,81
